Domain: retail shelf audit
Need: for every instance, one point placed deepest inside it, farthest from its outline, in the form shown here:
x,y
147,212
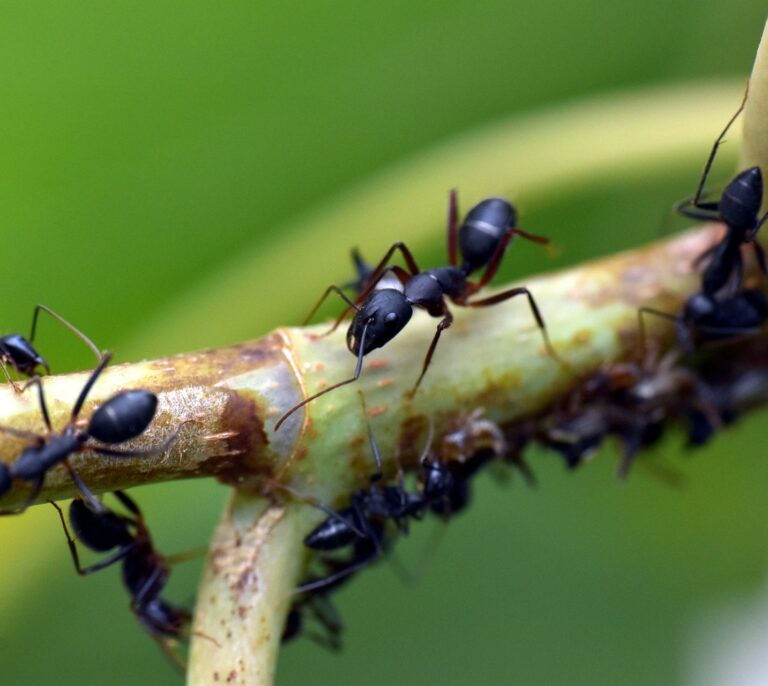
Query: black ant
x,y
738,209
380,315
122,417
17,352
361,525
705,318
145,571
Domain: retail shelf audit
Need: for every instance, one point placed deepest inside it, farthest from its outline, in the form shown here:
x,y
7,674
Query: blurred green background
x,y
146,147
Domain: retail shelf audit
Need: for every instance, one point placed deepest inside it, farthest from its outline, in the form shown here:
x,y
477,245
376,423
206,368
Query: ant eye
x,y
391,317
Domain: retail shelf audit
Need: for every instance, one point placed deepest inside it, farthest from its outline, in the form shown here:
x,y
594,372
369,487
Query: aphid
x,y
738,208
19,353
634,404
380,315
145,571
122,417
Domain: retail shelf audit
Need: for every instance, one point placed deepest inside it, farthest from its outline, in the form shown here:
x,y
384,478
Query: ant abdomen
x,y
123,417
741,199
336,532
99,531
482,230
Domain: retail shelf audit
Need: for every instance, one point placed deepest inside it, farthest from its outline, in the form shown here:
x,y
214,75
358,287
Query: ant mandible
x,y
124,416
738,209
145,571
18,352
380,315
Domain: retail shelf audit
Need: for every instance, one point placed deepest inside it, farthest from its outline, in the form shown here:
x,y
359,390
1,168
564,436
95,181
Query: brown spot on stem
x,y
376,410
581,337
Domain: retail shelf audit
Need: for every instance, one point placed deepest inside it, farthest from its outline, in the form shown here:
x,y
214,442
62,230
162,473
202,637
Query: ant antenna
x,y
355,377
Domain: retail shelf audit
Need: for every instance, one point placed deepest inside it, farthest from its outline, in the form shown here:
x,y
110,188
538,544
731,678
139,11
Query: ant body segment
x,y
19,353
124,416
738,208
144,570
380,314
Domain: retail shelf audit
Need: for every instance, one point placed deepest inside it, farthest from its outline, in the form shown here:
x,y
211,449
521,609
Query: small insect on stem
x,y
145,571
738,208
19,353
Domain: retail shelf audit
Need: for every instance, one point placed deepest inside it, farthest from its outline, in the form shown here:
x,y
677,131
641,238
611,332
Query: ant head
x,y
124,416
741,199
383,316
22,353
483,228
5,479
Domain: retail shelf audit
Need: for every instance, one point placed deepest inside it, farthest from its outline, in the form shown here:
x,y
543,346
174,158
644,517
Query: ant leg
x,y
696,202
42,308
326,615
378,273
760,255
511,293
407,256
103,564
495,261
7,374
129,504
444,323
453,226
706,211
94,504
402,276
534,238
355,377
493,264
706,255
105,359
751,235
38,486
643,331
115,452
328,291
343,573
37,381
